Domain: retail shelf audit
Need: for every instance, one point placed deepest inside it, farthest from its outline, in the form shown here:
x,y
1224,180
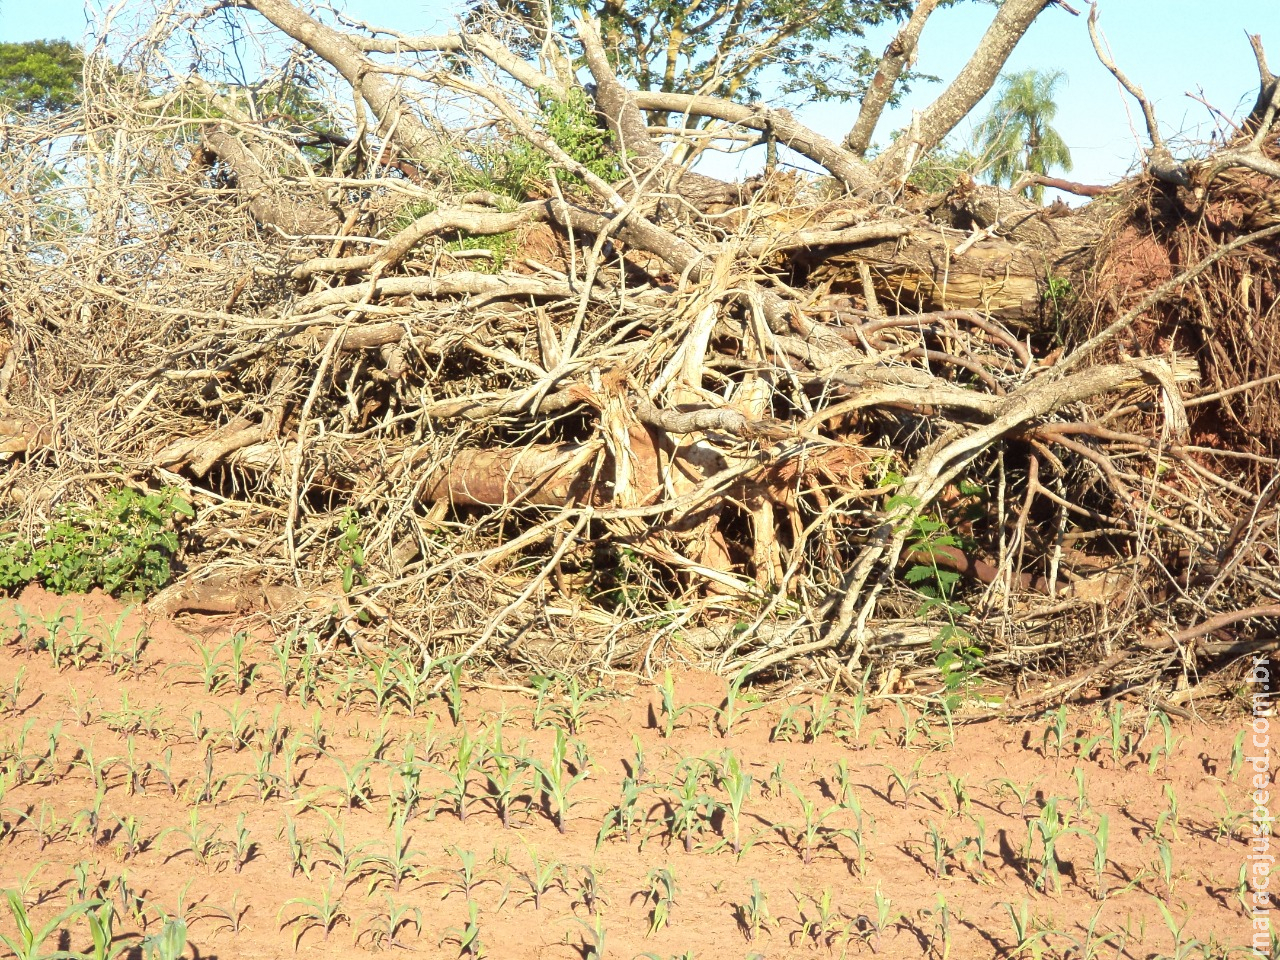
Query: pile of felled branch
x,y
627,411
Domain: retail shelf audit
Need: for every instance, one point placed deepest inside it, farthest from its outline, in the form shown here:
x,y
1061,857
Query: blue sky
x,y
1169,47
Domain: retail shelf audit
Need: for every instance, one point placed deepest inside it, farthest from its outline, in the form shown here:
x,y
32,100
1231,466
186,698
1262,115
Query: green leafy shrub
x,y
124,544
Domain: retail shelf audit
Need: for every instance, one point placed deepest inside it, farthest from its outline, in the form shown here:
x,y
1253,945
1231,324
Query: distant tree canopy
x,y
721,49
39,76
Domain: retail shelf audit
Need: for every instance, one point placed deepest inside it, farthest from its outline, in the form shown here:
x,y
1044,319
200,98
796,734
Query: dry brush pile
x,y
446,347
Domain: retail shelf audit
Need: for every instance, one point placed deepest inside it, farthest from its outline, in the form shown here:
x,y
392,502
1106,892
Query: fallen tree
x,y
478,363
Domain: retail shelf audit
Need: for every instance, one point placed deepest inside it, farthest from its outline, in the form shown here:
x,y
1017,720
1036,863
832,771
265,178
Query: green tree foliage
x,y
722,48
39,76
1015,137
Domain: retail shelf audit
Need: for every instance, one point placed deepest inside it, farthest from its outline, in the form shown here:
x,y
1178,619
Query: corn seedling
x,y
326,912
1055,731
736,705
241,727
300,858
820,920
1169,816
118,652
1229,822
468,755
885,917
507,776
736,783
1051,826
243,849
97,768
355,789
169,944
11,694
557,782
411,683
821,718
753,914
1236,762
940,849
1182,947
399,864
671,712
467,936
692,807
956,798
1029,934
78,642
661,898
241,672
465,877
384,928
624,816
941,915
132,841
588,890
574,708
790,725
1023,794
541,877
907,782
101,920
453,690
1168,743
203,844
84,710
1165,867
348,859
229,918
813,832
27,944
595,949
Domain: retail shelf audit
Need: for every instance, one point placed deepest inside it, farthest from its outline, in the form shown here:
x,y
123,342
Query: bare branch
x,y
900,54
1160,161
970,86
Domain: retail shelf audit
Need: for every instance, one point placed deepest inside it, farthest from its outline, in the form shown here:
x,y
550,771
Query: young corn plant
x,y
201,842
623,817
27,944
101,922
507,775
468,756
820,920
671,711
753,913
907,782
661,898
1051,826
300,857
598,931
243,849
736,783
467,936
1167,746
813,833
736,705
541,877
574,707
384,928
466,877
885,917
349,860
692,808
170,943
400,863
325,912
557,782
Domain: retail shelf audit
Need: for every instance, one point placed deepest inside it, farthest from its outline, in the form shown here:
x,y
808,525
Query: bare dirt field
x,y
276,798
